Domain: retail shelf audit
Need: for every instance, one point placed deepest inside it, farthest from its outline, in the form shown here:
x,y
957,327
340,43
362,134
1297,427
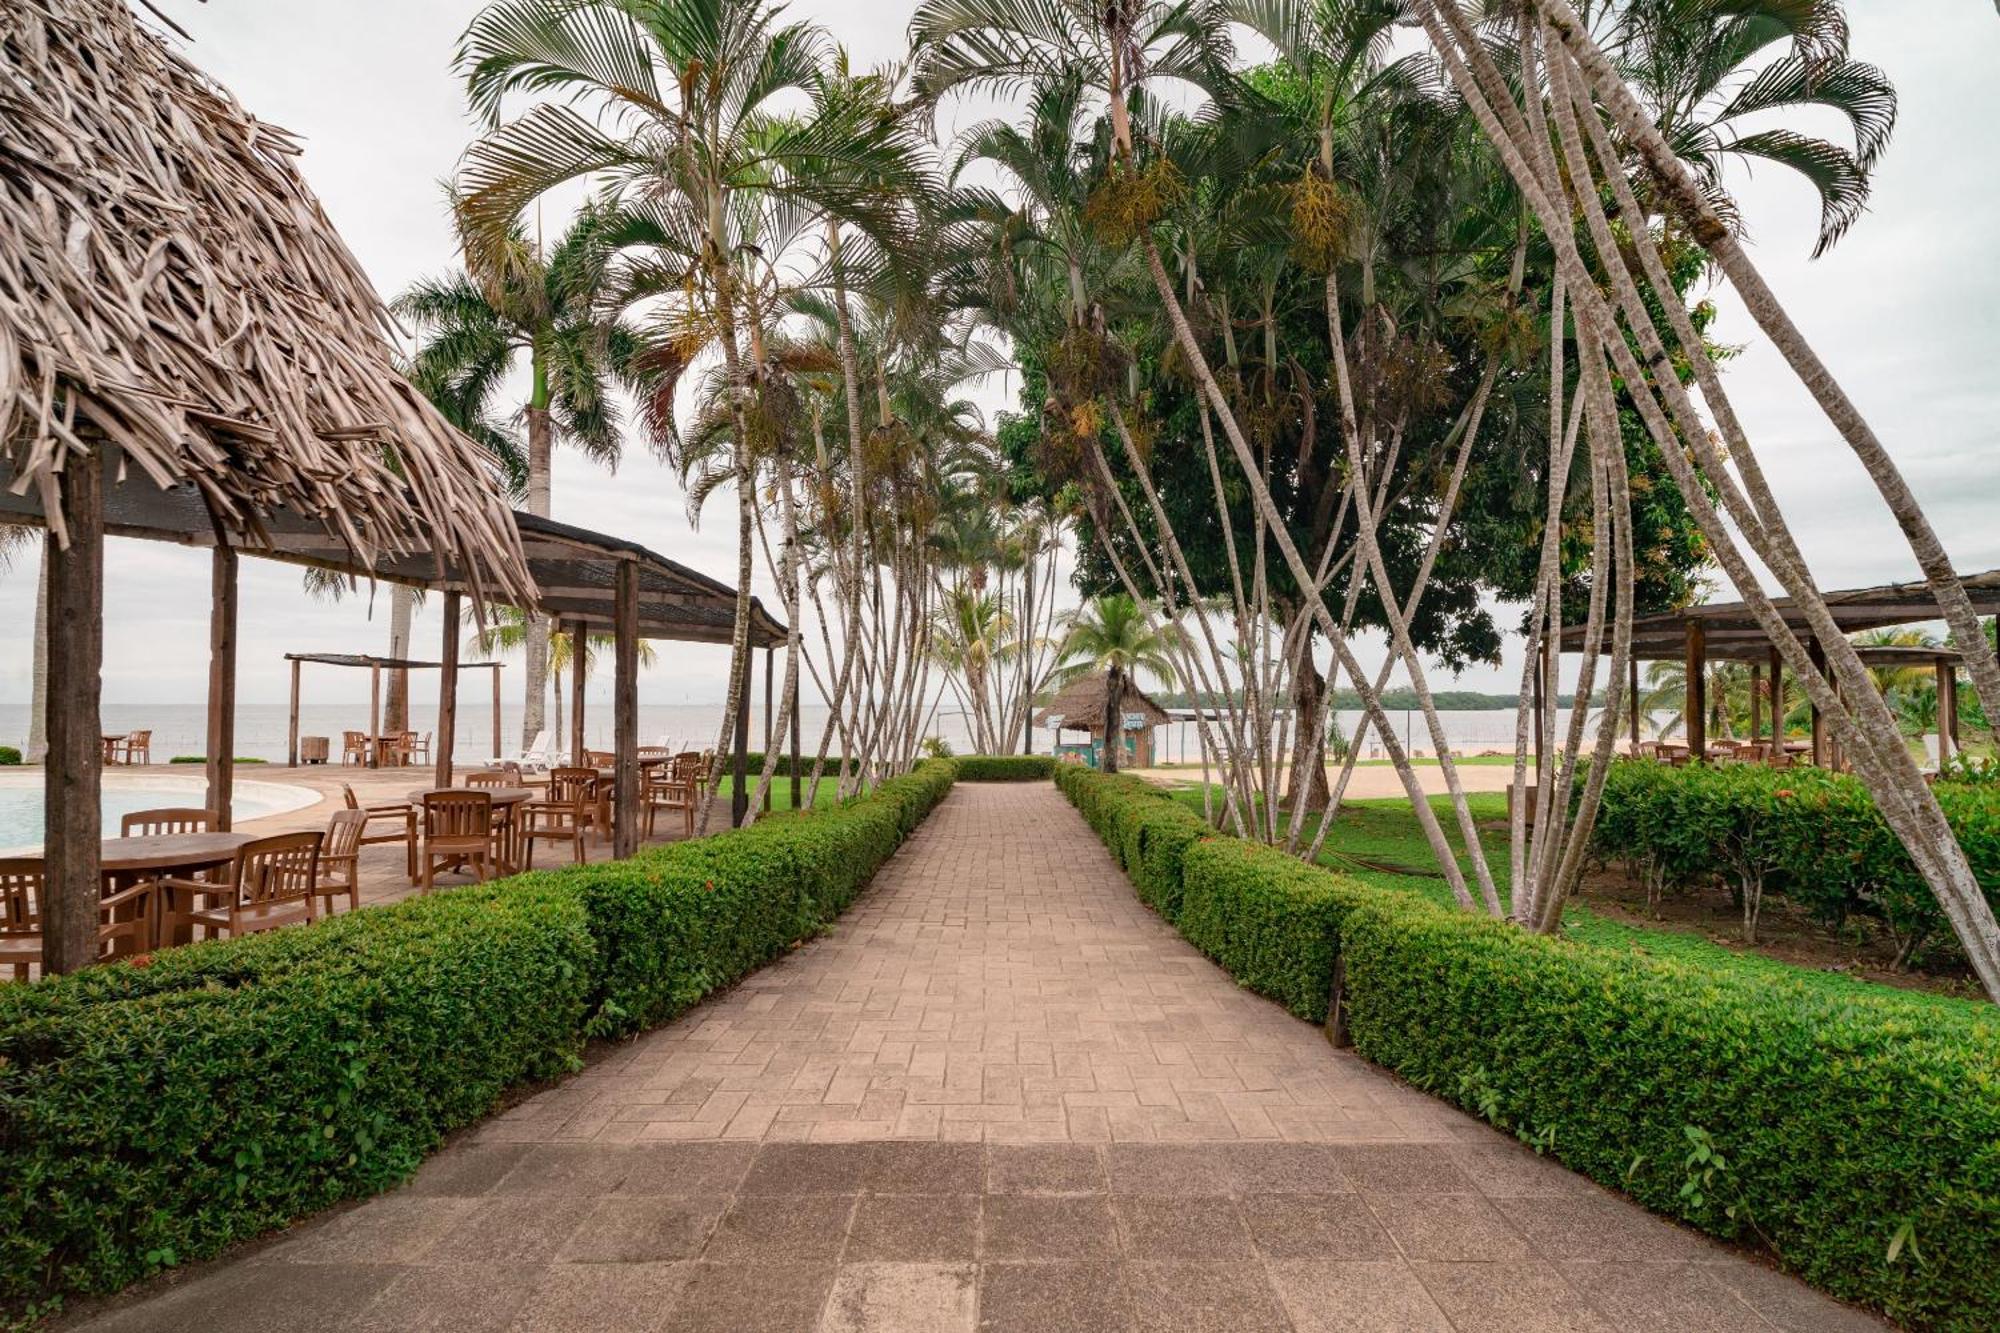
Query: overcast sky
x,y
1906,310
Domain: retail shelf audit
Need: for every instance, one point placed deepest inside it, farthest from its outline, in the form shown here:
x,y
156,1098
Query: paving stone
x,y
1401,1168
244,1298
792,1228
1316,1226
642,1229
511,1228
1334,1296
449,1298
908,1228
1160,1168
1662,1298
1044,1297
926,1168
686,1168
1044,1168
802,1168
1280,1168
901,1298
599,1298
1165,1227
1204,1298
1446,1226
1032,1226
1508,1297
1785,1302
568,1168
1597,1226
468,1168
1503,1169
396,1229
739,1297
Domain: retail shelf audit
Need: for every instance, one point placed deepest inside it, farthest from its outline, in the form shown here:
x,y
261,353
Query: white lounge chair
x,y
534,759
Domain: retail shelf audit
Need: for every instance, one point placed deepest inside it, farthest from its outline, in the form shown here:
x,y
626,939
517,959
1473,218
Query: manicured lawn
x,y
781,790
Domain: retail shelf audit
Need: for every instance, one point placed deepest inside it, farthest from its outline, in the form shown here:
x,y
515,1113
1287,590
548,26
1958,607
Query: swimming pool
x,y
21,801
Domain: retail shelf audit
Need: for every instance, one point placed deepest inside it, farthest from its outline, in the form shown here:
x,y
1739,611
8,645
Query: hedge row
x,y
1810,834
1005,767
1856,1138
152,1115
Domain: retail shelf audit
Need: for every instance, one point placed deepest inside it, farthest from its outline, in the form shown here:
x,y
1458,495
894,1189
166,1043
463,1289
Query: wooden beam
x,y
222,682
1776,673
447,724
374,714
579,640
1695,714
770,718
625,714
739,799
292,728
73,780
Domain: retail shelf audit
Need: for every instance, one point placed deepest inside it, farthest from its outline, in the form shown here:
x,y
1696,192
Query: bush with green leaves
x,y
1811,834
1853,1134
155,1113
9,756
1005,767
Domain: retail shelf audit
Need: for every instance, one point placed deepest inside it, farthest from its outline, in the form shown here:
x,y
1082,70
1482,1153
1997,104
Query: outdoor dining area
x,y
1699,636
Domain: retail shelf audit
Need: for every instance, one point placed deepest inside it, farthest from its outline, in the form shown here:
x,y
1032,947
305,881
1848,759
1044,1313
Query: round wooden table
x,y
165,856
504,800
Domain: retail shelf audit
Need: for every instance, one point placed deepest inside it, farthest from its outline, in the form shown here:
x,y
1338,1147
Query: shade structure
x,y
375,666
1079,706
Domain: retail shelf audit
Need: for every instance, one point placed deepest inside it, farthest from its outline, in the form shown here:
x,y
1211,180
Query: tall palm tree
x,y
1117,637
522,302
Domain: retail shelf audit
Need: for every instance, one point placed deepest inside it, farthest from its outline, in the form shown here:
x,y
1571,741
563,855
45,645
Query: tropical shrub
x,y
1853,1134
9,756
1005,767
154,1114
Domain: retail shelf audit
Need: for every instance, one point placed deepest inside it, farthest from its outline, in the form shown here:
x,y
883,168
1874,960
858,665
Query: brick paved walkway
x,y
1000,1095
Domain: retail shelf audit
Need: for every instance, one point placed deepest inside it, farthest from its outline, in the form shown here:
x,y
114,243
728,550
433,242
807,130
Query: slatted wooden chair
x,y
125,922
416,750
136,748
498,777
354,747
672,787
273,882
391,821
176,819
564,815
340,859
458,830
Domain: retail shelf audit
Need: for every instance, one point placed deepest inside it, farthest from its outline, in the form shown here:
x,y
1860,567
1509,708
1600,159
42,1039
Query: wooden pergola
x,y
1728,631
375,666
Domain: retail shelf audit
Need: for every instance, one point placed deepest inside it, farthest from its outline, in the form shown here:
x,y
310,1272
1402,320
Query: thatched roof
x,y
1081,704
171,288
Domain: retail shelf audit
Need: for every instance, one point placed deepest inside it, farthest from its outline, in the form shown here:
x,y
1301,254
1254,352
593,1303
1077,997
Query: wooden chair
x,y
125,917
175,819
340,859
564,815
667,789
496,778
458,827
273,882
417,750
354,747
136,748
401,814
600,758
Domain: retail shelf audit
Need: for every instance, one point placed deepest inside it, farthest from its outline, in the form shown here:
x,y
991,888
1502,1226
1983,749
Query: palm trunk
x,y
396,698
1114,697
535,626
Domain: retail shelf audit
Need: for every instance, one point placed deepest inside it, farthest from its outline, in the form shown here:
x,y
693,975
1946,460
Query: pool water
x,y
21,827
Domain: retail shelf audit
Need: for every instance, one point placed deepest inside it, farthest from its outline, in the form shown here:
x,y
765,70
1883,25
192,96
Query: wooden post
x,y
770,717
739,799
447,724
1947,702
494,671
73,780
1695,712
1776,673
579,639
625,711
292,732
796,791
1818,657
1756,700
374,714
1632,702
222,682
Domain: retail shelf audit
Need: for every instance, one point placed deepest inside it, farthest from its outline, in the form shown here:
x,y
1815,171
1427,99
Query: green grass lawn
x,y
781,790
1380,843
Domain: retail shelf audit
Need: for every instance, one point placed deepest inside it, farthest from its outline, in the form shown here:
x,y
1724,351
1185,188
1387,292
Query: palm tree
x,y
1119,638
519,300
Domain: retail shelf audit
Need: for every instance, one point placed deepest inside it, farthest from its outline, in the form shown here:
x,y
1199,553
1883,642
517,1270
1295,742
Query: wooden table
x,y
111,744
164,855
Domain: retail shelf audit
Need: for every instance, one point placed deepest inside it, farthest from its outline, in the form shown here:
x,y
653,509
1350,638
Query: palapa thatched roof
x,y
1081,704
171,291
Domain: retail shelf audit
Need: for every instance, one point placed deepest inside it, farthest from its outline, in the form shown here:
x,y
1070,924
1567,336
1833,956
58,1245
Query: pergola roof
x,y
385,663
1731,632
173,297
574,569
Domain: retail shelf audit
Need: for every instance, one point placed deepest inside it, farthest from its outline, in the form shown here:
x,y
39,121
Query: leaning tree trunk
x,y
396,699
535,625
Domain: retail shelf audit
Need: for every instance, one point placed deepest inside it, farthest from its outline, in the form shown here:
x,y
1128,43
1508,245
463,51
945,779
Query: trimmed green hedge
x,y
152,1115
1005,767
9,756
1808,833
1855,1137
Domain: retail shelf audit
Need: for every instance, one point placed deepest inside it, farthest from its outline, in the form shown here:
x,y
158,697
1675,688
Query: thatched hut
x,y
1081,706
188,351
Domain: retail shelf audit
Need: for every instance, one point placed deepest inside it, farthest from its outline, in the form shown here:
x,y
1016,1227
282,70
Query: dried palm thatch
x,y
169,286
1081,704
